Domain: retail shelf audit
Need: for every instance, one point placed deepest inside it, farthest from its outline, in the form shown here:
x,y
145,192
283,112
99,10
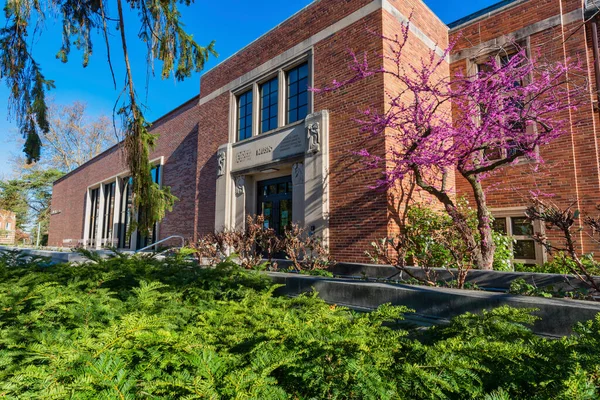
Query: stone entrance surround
x,y
300,150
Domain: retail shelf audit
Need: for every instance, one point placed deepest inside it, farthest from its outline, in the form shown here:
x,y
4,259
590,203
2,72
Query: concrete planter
x,y
491,280
55,256
557,315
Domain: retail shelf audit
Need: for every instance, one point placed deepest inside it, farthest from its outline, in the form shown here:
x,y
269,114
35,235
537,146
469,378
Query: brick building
x,y
256,141
8,227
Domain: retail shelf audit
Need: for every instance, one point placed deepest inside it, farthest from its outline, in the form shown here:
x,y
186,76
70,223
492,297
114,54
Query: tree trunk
x,y
486,245
460,222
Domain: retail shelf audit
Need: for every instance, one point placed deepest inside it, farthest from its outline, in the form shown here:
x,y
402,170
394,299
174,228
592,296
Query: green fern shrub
x,y
142,328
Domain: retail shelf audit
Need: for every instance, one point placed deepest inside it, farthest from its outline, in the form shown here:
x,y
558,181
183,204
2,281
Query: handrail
x,y
162,241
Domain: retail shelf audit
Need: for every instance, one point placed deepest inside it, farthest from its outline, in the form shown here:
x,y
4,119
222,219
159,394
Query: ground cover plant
x,y
138,327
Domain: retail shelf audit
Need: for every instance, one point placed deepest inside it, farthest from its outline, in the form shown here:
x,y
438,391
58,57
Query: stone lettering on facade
x,y
292,141
264,150
242,156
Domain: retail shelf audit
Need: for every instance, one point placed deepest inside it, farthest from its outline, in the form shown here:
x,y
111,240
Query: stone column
x,y
224,189
298,193
316,169
86,222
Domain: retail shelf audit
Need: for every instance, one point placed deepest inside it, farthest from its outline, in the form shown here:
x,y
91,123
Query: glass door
x,y
275,203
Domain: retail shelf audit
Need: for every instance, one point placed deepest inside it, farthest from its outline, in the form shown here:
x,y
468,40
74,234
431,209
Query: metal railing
x,y
162,241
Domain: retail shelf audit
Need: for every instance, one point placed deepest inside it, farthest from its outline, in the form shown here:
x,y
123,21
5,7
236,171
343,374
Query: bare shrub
x,y
565,221
306,252
256,244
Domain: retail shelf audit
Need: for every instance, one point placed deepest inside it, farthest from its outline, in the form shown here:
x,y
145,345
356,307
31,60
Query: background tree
x,y
471,125
13,198
160,28
29,197
75,137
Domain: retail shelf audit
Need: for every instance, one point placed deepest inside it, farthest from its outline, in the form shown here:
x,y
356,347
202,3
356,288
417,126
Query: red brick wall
x,y
357,214
316,17
177,144
413,52
214,131
571,168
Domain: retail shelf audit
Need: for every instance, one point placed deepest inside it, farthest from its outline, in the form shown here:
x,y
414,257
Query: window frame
x,y
287,107
99,240
519,212
498,53
260,103
238,117
281,72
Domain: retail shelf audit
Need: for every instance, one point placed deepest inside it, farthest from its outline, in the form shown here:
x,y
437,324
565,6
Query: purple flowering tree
x,y
469,124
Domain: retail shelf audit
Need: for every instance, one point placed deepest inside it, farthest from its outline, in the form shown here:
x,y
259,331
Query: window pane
x,y
293,90
493,153
524,249
521,227
297,93
293,75
293,115
500,225
303,98
302,112
245,115
285,215
292,103
269,96
303,70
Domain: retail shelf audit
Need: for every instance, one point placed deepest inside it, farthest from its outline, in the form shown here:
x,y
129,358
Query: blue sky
x,y
231,23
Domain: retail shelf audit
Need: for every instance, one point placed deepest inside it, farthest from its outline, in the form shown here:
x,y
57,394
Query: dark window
x,y
109,208
144,240
125,214
156,174
524,250
269,93
275,203
297,93
244,122
500,226
94,210
521,226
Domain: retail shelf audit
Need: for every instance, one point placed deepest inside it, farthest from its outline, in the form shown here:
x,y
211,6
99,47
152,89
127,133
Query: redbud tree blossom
x,y
465,124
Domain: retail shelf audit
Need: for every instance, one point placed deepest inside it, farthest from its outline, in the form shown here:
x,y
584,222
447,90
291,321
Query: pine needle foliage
x,y
137,327
159,27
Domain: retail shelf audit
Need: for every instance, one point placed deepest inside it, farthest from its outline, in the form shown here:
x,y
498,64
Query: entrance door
x,y
275,203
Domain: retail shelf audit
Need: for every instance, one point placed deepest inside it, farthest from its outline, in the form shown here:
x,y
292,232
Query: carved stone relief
x,y
297,173
221,159
314,145
240,183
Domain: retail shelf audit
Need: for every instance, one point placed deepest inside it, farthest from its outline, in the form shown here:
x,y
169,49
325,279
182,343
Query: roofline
x,y
115,146
288,19
261,36
484,13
